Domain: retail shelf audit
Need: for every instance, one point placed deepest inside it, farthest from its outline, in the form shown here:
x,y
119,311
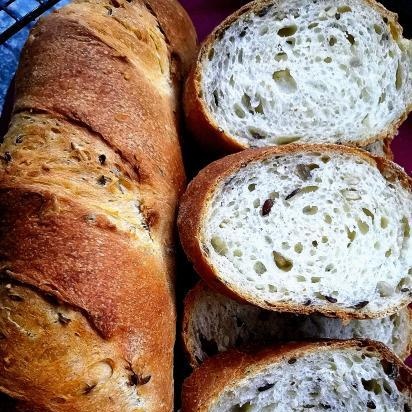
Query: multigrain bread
x,y
303,228
341,376
213,323
381,148
90,175
280,71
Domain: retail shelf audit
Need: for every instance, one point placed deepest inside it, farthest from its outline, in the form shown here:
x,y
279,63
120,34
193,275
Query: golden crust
x,y
216,374
196,199
90,175
201,123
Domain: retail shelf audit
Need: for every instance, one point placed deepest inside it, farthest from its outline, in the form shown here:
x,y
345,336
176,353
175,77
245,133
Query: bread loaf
x,y
213,323
318,71
91,172
303,228
340,376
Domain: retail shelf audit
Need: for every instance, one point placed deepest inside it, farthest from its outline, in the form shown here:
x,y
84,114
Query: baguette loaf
x,y
339,376
281,71
213,323
90,175
303,228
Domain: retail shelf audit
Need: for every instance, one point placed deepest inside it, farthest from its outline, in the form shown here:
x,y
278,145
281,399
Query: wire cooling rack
x,y
16,14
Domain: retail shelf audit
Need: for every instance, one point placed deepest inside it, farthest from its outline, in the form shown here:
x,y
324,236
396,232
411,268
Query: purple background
x,y
206,14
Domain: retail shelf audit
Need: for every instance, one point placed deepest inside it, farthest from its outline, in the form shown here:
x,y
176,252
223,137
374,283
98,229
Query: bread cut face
x,y
339,376
214,323
318,71
303,228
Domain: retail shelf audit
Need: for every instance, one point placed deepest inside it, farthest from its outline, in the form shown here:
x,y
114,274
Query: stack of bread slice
x,y
304,235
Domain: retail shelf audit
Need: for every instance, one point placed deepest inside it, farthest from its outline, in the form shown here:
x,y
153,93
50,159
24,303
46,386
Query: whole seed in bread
x,y
90,175
340,376
213,323
303,228
318,71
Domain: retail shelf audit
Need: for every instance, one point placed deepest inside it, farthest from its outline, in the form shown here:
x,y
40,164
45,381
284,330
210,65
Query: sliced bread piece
x,y
339,376
303,228
213,323
381,148
307,71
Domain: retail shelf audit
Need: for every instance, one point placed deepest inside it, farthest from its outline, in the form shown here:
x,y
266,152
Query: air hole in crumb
x,y
285,245
219,245
237,253
363,226
216,97
282,263
310,210
291,42
298,248
255,133
281,57
368,213
239,111
285,80
332,41
287,31
378,29
372,385
384,222
350,38
313,25
328,60
259,268
384,289
406,227
300,278
281,140
327,218
315,279
252,187
211,54
344,9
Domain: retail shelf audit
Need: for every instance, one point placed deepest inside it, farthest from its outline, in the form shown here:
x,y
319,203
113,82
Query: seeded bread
x,y
305,229
281,71
90,175
381,148
340,376
213,323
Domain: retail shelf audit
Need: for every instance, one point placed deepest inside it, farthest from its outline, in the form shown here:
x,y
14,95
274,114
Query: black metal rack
x,y
18,21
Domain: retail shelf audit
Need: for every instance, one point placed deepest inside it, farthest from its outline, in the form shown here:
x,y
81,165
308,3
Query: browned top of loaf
x,y
195,202
221,372
90,175
202,123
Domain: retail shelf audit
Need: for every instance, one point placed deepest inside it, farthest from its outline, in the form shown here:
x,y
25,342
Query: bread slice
x,y
381,148
213,323
303,228
306,71
340,376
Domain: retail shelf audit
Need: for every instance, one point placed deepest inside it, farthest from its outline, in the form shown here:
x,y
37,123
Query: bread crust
x,y
216,374
201,123
195,201
191,301
108,73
